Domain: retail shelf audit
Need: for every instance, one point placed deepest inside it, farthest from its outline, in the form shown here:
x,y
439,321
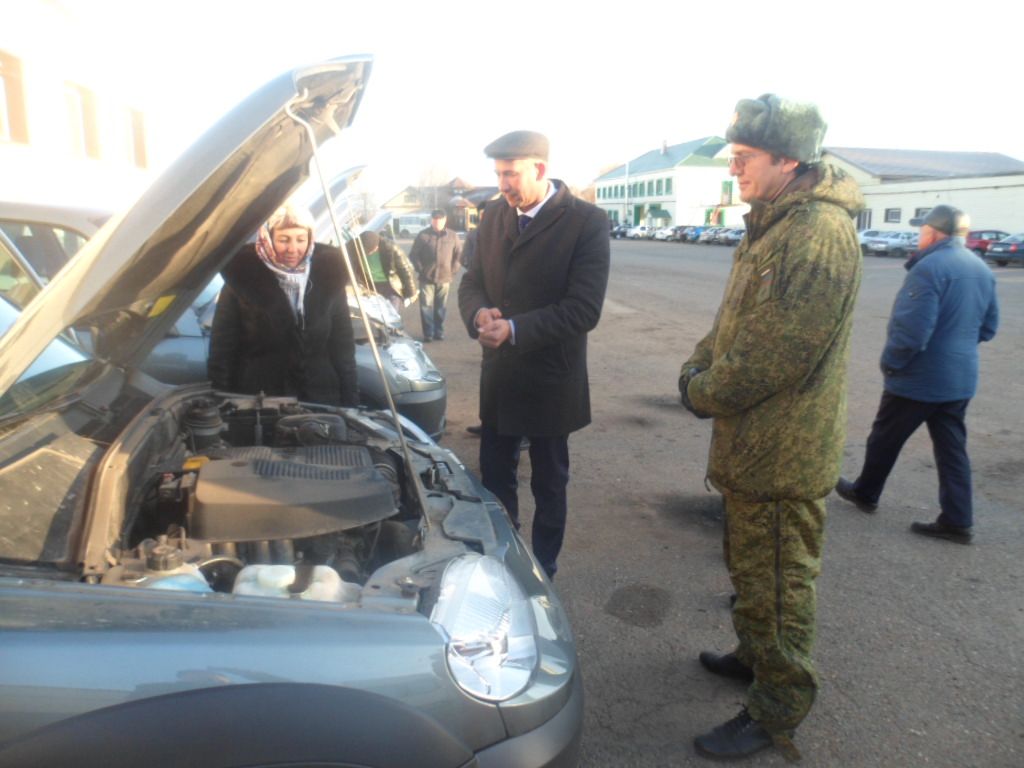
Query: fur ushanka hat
x,y
779,126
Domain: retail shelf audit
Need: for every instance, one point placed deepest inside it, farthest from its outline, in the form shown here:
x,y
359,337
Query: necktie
x,y
524,221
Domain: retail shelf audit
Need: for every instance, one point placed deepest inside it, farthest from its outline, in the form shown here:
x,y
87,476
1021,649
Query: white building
x,y
63,138
679,184
899,185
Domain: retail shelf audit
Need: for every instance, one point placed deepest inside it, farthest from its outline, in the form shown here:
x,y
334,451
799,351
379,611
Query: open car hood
x,y
144,268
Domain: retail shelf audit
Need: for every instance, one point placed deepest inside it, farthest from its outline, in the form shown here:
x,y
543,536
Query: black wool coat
x,y
258,346
550,281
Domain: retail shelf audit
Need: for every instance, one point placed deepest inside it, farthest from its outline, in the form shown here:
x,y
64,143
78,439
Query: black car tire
x,y
1001,262
898,253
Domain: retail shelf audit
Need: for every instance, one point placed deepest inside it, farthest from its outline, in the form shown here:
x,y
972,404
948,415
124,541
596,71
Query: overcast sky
x,y
604,85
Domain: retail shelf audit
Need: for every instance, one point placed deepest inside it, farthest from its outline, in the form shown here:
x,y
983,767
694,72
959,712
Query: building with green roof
x,y
685,183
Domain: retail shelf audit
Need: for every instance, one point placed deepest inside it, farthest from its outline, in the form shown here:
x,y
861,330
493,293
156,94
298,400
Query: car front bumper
x,y
555,744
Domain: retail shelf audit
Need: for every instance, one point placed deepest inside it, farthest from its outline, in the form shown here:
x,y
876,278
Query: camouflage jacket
x,y
774,365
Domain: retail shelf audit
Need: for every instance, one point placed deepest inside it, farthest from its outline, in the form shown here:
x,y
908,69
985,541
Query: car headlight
x,y
406,361
488,626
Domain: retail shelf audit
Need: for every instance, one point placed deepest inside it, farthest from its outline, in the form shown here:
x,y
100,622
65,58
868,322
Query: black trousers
x,y
549,461
898,418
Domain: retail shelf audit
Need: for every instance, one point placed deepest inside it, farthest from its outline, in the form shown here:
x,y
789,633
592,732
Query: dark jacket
x,y
947,305
436,255
258,346
398,268
550,281
774,364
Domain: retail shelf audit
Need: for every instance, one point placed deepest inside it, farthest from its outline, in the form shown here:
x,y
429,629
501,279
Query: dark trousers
x,y
898,418
433,308
549,461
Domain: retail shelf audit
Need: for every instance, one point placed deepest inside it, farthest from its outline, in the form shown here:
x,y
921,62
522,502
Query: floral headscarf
x,y
292,280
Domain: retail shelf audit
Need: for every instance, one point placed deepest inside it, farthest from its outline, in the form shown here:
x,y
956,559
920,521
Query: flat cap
x,y
782,127
518,144
946,219
438,213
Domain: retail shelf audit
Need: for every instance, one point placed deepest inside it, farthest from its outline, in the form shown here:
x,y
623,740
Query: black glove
x,y
684,382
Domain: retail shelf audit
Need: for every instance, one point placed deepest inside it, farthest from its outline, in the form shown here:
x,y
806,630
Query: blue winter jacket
x,y
947,305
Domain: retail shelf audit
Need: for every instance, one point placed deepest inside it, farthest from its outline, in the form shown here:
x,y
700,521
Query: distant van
x,y
411,224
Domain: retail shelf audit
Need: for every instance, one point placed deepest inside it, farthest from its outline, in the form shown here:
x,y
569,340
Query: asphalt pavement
x,y
920,642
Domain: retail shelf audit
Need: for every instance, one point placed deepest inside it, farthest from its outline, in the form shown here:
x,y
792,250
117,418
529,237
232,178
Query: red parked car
x,y
978,240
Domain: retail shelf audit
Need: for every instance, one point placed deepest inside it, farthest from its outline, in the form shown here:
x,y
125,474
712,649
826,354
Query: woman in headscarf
x,y
282,325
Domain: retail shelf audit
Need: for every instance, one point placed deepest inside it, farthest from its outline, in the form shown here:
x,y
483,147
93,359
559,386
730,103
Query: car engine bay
x,y
271,500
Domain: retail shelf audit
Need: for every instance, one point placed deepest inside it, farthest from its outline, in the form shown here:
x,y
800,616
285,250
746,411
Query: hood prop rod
x,y
421,497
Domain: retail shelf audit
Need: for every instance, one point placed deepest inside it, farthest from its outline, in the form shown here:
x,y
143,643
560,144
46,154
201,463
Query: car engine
x,y
274,501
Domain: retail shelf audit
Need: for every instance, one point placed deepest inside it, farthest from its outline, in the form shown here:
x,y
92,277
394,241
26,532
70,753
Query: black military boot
x,y
734,739
726,665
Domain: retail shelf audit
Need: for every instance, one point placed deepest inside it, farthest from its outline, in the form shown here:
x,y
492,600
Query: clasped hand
x,y
492,329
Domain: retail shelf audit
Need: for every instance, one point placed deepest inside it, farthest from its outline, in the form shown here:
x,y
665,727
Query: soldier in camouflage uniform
x,y
772,375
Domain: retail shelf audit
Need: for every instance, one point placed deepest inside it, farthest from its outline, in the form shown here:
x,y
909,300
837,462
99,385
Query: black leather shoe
x,y
475,429
726,665
846,490
939,530
733,739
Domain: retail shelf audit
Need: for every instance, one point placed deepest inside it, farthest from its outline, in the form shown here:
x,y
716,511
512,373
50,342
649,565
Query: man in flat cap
x,y
437,255
530,296
772,376
946,307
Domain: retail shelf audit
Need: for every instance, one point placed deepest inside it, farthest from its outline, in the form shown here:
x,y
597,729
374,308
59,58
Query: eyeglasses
x,y
740,161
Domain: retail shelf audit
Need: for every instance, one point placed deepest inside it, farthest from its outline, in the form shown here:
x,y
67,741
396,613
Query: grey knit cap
x,y
779,126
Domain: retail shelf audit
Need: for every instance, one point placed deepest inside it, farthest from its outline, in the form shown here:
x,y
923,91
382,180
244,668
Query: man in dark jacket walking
x,y
947,305
532,293
436,254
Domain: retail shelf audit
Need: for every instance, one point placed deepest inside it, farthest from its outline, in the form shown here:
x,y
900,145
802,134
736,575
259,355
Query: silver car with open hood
x,y
191,577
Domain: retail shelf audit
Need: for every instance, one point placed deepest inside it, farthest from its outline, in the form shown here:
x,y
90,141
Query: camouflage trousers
x,y
773,552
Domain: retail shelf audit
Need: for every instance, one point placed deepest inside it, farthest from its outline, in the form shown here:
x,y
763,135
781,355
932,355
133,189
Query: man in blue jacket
x,y
947,305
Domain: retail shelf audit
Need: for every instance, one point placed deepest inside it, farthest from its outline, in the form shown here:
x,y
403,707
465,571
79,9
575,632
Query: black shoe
x,y
846,490
939,530
734,739
726,665
475,429
427,339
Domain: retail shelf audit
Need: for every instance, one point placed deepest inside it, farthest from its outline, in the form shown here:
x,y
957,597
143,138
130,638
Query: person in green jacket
x,y
772,376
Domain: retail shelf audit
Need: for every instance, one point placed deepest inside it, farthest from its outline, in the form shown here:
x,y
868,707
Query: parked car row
x,y
895,243
681,233
993,244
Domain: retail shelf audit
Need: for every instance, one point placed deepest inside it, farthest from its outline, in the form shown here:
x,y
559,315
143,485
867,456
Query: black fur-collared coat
x,y
257,345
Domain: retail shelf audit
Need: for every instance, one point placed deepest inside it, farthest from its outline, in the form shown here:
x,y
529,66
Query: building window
x,y
726,196
668,186
13,125
920,213
650,188
660,187
892,215
864,219
83,131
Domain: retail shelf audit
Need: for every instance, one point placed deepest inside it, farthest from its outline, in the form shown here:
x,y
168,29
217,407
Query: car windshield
x,y
1014,238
